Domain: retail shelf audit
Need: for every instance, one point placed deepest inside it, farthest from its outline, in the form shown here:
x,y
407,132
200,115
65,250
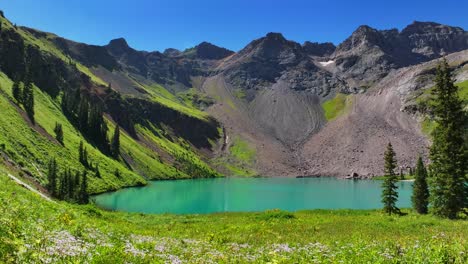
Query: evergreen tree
x,y
420,196
115,143
448,153
71,186
85,158
28,100
81,152
17,91
83,155
58,132
52,177
63,193
83,114
83,194
98,173
389,187
77,182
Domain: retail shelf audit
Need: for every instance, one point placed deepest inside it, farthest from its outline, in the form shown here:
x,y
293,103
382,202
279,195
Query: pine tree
x,y
58,132
28,100
52,177
83,155
85,158
76,187
83,194
71,186
420,196
98,173
81,152
83,114
115,143
389,192
17,91
63,193
448,153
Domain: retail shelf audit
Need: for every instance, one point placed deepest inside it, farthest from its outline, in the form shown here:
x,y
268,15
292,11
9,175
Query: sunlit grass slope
x,y
32,148
33,230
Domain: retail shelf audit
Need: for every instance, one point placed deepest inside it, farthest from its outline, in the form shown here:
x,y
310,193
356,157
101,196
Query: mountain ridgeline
x,y
296,109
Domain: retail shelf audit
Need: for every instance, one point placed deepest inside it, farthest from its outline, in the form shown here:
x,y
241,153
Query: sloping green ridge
x,y
32,150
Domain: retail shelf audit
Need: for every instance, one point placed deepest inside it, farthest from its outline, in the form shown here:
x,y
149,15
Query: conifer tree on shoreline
x,y
448,153
420,198
389,187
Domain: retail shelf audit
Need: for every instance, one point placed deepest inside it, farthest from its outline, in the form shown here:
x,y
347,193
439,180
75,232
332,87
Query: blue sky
x,y
160,24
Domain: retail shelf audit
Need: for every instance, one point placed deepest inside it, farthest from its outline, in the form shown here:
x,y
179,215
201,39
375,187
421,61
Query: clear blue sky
x,y
160,24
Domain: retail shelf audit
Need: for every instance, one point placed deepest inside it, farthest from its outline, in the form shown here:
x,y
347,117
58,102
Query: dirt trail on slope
x,y
27,186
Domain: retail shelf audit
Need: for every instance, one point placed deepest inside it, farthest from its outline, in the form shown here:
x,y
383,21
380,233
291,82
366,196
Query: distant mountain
x,y
207,51
310,109
369,54
319,49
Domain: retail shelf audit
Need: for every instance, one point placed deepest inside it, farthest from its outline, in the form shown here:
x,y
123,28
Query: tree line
x,y
444,186
89,119
23,93
66,185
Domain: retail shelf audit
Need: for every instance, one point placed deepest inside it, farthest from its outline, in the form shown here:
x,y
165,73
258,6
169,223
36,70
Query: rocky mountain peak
x,y
363,35
172,52
418,27
118,46
275,36
208,51
273,47
318,49
432,40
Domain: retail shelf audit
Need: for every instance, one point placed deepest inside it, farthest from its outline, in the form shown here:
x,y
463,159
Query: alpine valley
x,y
78,120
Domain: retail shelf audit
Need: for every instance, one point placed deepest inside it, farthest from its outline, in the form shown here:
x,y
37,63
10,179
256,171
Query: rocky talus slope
x,y
298,109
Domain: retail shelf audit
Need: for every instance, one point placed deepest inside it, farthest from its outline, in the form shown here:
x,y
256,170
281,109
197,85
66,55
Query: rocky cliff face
x,y
369,54
433,40
207,51
270,93
318,49
270,59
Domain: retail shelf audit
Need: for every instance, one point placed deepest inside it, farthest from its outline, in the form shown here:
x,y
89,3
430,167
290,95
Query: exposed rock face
x,y
272,58
208,51
319,49
433,40
151,65
369,54
271,92
172,52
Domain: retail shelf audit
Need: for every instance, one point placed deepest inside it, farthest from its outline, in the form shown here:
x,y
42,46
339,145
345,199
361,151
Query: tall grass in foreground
x,y
33,230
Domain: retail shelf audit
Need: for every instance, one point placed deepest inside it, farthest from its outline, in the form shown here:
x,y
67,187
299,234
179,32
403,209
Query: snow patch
x,y
326,63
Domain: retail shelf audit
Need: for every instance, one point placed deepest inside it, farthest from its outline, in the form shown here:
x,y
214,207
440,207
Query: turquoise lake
x,y
201,196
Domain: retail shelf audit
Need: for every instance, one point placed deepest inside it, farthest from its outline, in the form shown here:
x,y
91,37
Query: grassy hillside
x,y
44,44
424,101
33,230
337,106
30,148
